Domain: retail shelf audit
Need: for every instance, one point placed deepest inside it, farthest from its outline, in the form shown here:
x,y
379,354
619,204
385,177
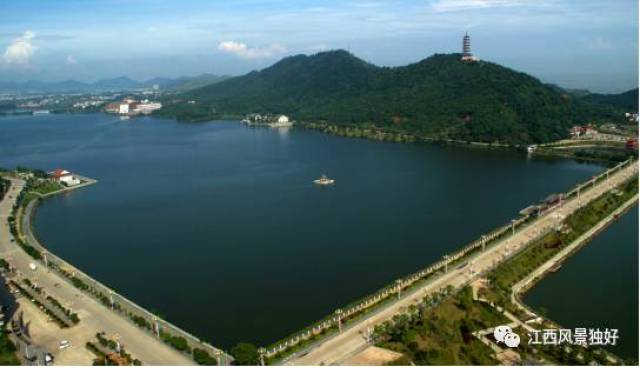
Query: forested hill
x,y
627,100
439,96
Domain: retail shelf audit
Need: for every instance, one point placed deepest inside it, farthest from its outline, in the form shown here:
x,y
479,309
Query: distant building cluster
x,y
582,131
255,119
88,103
132,107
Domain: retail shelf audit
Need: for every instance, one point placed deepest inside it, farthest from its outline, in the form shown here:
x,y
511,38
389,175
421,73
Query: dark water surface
x,y
219,227
597,287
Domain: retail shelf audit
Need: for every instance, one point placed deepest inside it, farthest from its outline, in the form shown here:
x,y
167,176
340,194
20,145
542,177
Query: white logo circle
x,y
504,334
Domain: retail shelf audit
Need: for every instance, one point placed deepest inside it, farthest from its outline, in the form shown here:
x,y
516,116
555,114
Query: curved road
x,y
94,317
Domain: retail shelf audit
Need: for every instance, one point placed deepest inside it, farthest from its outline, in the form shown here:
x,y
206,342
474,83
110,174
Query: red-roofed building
x,y
64,177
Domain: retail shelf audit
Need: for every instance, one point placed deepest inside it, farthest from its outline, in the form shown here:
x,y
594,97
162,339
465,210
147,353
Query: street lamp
x,y
399,286
339,314
513,226
446,263
262,352
483,240
111,298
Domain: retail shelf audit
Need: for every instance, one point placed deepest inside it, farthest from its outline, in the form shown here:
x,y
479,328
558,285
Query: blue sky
x,y
577,44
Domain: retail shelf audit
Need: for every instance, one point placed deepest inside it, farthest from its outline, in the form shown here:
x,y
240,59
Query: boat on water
x,y
324,180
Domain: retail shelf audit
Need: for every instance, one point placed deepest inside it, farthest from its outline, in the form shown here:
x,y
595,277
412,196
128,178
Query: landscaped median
x,y
62,316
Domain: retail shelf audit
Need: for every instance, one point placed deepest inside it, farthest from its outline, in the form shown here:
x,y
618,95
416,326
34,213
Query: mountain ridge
x,y
439,96
121,83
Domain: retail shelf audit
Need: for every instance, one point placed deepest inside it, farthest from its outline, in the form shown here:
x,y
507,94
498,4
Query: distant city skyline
x,y
587,44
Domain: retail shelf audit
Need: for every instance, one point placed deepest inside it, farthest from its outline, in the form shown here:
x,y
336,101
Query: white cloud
x,y
243,51
461,5
20,50
71,60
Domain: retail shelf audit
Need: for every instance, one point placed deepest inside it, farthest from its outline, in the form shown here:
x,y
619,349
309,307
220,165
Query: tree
x,y
245,354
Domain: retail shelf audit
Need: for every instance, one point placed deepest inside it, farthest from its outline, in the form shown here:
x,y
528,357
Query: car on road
x,y
64,344
48,359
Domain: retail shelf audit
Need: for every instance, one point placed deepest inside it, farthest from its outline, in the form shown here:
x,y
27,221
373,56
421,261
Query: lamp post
x,y
219,357
399,286
339,314
446,263
262,352
483,241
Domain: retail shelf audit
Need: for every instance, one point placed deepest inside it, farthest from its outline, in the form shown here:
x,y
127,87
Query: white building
x,y
146,107
281,121
64,177
124,108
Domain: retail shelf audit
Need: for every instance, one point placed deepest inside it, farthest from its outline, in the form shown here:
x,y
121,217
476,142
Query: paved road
x,y
350,341
94,317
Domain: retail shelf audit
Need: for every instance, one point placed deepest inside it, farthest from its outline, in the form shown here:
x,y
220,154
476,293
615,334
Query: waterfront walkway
x,y
339,347
94,317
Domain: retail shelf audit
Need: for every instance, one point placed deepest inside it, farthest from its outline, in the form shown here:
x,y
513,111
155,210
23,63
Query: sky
x,y
573,43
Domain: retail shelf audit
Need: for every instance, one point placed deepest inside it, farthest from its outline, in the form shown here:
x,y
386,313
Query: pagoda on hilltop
x,y
467,56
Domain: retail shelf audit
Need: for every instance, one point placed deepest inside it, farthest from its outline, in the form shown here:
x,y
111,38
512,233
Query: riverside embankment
x,y
109,302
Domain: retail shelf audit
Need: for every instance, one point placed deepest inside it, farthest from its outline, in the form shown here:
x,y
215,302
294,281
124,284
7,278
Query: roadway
x,y
94,317
343,345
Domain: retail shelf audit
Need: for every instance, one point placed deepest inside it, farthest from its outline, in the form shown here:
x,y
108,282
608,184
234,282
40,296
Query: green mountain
x,y
627,100
439,97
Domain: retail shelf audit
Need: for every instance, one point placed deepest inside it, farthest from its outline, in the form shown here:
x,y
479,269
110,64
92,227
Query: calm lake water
x,y
598,286
219,227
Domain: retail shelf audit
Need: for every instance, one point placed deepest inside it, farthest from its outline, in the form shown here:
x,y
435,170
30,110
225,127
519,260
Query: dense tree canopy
x,y
440,97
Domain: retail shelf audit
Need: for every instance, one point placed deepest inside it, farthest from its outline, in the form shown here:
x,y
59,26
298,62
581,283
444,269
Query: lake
x,y
597,287
220,229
